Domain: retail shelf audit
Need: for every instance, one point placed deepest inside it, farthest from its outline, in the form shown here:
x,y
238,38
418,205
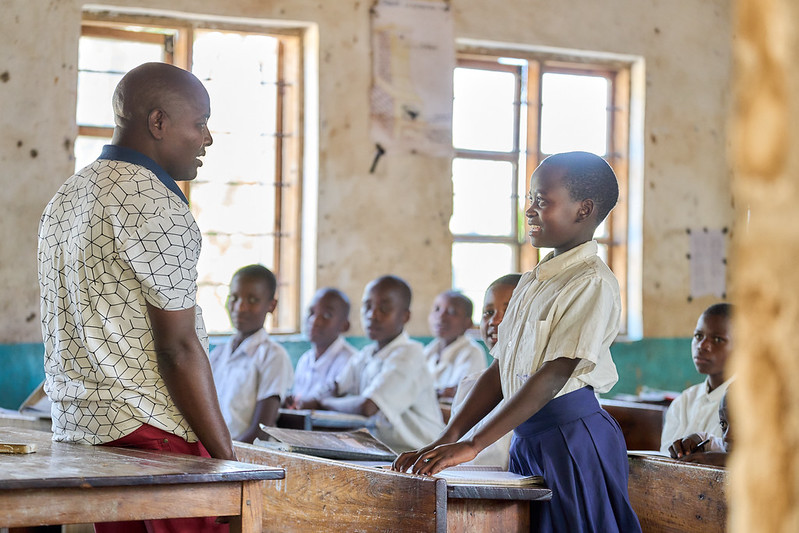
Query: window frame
x,y
619,74
177,36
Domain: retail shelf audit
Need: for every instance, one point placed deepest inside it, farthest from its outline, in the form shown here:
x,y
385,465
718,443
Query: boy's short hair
x,y
588,176
510,280
722,309
401,286
345,301
259,272
462,300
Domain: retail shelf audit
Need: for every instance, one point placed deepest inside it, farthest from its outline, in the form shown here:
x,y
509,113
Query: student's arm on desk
x,y
357,405
537,391
333,400
484,396
184,366
266,412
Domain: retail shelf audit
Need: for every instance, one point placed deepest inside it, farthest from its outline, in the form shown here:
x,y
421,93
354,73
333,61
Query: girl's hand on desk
x,y
444,456
408,459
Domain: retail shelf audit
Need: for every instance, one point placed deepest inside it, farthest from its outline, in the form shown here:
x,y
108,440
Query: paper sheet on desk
x,y
487,475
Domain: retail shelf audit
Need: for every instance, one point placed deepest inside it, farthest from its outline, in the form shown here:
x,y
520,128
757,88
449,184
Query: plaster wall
x,y
396,220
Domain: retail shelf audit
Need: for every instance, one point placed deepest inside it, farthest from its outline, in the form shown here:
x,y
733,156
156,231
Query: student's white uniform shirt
x,y
462,357
497,453
568,306
313,376
257,369
397,381
695,411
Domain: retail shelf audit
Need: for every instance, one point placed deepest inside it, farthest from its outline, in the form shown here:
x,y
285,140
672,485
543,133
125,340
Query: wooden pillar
x,y
764,468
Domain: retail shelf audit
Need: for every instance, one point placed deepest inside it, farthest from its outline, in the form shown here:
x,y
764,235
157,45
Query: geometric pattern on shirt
x,y
112,239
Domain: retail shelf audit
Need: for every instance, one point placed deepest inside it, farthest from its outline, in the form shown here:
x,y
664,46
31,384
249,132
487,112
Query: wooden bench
x,y
325,495
673,496
641,423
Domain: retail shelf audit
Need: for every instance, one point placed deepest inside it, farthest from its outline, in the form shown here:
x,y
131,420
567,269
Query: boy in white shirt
x,y
451,356
252,372
316,371
696,409
388,380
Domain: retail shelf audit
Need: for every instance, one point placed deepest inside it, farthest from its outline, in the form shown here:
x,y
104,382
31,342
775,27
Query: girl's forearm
x,y
484,396
539,389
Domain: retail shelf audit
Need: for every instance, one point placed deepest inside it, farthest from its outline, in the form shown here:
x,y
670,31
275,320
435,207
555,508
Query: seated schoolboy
x,y
388,379
451,356
696,409
701,448
495,304
316,371
252,372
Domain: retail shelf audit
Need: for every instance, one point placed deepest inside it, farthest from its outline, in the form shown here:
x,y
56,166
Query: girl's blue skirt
x,y
579,450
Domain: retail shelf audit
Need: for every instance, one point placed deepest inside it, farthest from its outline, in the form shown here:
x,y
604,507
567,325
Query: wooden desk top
x,y
57,465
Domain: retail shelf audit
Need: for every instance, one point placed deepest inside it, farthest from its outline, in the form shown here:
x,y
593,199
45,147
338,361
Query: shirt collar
x,y
253,340
720,389
448,352
552,264
334,348
402,338
114,152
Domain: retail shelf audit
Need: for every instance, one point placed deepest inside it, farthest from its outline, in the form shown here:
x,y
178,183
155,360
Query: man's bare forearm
x,y
185,369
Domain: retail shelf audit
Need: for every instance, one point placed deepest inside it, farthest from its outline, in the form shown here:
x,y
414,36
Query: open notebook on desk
x,y
487,475
493,476
359,445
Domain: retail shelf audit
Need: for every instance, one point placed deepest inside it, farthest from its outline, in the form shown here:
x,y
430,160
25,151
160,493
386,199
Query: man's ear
x,y
585,210
155,123
271,307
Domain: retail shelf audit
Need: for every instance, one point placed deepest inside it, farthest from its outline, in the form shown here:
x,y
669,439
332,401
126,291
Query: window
x,y
246,197
509,113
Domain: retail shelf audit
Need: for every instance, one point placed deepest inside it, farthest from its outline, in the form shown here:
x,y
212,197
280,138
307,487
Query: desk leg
x,y
252,505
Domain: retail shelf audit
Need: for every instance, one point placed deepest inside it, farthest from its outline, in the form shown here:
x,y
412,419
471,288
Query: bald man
x,y
125,344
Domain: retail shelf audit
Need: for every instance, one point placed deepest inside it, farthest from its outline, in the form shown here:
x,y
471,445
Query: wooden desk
x,y
641,423
71,483
673,496
323,495
9,418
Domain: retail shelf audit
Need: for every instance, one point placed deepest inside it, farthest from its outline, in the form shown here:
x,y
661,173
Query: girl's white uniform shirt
x,y
568,306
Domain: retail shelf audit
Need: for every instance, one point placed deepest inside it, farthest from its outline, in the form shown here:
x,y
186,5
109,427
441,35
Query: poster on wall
x,y
413,57
708,262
